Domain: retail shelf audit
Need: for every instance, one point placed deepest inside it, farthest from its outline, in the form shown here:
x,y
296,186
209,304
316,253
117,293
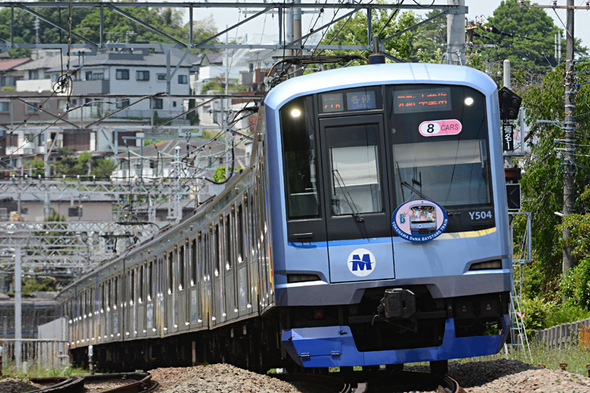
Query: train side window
x,y
115,292
132,286
228,242
140,285
150,280
240,234
181,262
170,272
207,257
194,260
109,294
102,298
216,255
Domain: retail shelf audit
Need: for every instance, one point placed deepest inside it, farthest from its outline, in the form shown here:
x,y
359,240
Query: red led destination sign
x,y
422,100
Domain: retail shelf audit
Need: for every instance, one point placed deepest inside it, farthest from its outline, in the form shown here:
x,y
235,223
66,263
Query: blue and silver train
x,y
370,228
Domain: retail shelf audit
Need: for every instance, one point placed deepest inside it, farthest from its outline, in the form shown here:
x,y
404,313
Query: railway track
x,y
104,383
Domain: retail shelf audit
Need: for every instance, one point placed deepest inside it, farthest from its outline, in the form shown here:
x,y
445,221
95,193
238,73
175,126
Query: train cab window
x,y
228,242
240,234
193,259
440,149
354,165
181,262
170,272
300,159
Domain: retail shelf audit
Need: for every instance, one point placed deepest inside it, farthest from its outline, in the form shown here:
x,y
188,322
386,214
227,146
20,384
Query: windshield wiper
x,y
347,196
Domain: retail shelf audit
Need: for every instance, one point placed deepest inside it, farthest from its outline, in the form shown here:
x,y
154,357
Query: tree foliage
x,y
523,35
353,31
117,28
542,182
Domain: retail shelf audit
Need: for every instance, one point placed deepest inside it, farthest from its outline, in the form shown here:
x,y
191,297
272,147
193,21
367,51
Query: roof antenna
x,y
376,57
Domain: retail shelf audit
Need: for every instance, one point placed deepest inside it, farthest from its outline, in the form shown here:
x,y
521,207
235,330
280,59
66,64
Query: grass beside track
x,y
575,357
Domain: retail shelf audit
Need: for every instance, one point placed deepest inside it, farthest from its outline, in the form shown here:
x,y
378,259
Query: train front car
x,y
390,230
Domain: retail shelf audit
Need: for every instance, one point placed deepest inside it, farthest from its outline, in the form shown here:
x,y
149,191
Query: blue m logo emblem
x,y
358,264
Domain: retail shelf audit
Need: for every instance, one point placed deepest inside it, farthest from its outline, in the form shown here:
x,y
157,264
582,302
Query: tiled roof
x,y
6,65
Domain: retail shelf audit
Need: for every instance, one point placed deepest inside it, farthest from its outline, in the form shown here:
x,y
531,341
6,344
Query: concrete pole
x,y
569,127
289,30
456,35
17,309
47,201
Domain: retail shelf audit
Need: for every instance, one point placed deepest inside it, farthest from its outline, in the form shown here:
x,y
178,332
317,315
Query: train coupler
x,y
397,303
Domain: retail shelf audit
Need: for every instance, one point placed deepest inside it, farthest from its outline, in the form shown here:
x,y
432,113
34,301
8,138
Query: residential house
x,y
137,73
8,72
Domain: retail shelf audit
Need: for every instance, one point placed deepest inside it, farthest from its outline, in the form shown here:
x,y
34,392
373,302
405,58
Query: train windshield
x,y
440,149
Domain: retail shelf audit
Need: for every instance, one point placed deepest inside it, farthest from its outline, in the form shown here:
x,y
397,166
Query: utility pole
x,y
569,123
569,127
456,35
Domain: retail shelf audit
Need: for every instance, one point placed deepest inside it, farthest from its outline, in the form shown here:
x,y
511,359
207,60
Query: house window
x,y
88,75
54,78
75,211
4,106
33,74
33,107
122,103
122,74
161,77
97,76
174,104
182,79
158,103
143,75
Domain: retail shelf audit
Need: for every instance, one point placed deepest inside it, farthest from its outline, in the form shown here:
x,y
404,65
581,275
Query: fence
x,y
568,333
25,353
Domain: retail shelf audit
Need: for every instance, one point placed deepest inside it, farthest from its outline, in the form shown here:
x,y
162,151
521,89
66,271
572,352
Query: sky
x,y
268,25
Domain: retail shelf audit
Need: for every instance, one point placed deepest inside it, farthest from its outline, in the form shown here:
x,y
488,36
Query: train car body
x,y
370,228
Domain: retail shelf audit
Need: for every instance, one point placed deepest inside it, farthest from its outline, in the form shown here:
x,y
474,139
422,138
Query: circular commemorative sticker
x,y
419,220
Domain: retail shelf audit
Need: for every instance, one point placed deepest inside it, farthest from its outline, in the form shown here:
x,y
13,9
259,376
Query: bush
x,y
575,287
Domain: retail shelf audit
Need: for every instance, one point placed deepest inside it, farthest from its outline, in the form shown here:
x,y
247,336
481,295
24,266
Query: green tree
x,y
542,182
38,166
353,31
523,35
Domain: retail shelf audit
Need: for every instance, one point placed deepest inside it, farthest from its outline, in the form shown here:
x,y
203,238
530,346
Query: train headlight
x,y
489,265
469,101
295,113
292,278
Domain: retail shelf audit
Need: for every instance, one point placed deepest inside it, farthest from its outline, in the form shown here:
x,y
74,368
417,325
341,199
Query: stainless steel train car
x,y
371,228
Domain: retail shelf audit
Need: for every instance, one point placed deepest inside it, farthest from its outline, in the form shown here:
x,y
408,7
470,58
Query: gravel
x,y
16,385
223,378
475,377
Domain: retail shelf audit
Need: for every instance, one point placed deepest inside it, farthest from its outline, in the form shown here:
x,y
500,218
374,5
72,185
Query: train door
x,y
241,288
217,286
229,265
116,306
192,295
169,295
140,317
160,283
149,304
181,287
358,214
253,255
207,261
